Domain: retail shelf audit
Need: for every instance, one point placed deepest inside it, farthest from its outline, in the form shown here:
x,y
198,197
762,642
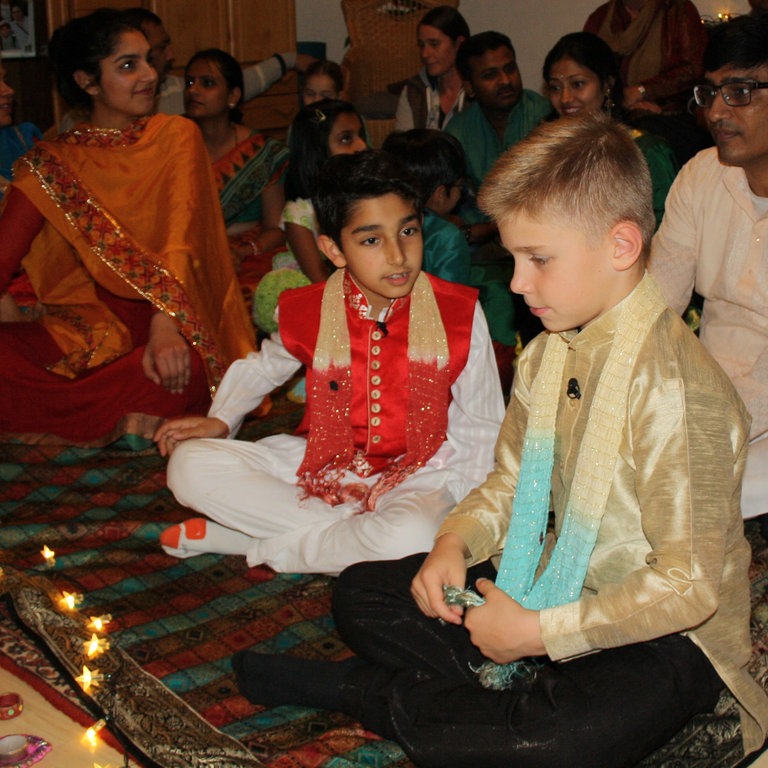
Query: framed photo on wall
x,y
17,29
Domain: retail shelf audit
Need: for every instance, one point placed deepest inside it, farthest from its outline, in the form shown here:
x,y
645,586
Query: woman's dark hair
x,y
140,17
345,180
325,67
231,72
435,158
308,144
741,42
593,53
82,44
448,20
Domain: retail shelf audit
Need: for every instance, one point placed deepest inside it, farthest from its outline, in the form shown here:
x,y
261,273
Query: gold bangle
x,y
255,250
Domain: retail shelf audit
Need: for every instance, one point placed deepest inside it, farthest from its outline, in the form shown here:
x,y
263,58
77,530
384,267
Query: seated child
x,y
322,79
402,409
436,159
326,128
604,634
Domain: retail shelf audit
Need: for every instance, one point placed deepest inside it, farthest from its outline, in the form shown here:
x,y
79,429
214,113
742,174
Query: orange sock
x,y
194,528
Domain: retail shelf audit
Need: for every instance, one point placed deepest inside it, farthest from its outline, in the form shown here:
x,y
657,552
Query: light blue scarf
x,y
562,580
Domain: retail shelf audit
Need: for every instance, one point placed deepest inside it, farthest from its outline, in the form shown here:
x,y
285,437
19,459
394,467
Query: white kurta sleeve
x,y
249,380
674,249
259,77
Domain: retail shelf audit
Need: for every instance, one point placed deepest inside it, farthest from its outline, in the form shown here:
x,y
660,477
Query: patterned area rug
x,y
176,623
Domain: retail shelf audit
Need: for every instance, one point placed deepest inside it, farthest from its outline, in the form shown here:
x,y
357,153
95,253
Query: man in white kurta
x,y
714,236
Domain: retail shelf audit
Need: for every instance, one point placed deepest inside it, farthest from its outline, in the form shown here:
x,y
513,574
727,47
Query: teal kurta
x,y
481,143
15,140
446,252
662,164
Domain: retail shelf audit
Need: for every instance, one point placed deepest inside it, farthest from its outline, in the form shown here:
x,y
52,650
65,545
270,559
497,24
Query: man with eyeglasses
x,y
714,236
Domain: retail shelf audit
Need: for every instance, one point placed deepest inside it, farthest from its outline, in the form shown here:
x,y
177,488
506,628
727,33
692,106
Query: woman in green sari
x,y
582,77
249,167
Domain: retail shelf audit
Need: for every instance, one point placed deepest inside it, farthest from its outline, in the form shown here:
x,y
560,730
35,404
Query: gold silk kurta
x,y
670,554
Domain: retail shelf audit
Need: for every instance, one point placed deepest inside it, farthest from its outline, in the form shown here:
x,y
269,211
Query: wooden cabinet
x,y
251,30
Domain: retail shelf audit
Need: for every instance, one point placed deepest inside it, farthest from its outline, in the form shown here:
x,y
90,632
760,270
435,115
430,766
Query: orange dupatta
x,y
136,212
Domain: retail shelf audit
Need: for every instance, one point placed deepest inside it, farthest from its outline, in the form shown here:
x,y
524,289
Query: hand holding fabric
x,y
445,564
502,629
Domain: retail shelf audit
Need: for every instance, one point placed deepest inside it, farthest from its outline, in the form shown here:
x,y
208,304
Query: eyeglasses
x,y
734,94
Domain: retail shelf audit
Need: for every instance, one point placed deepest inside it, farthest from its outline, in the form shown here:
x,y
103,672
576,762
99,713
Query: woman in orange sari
x,y
118,226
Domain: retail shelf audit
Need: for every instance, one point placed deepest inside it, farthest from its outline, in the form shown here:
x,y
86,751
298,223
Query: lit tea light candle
x,y
71,600
49,556
89,678
100,622
91,735
95,646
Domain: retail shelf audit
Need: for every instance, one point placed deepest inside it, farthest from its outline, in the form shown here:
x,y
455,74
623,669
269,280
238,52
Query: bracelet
x,y
641,90
11,705
466,230
255,250
281,61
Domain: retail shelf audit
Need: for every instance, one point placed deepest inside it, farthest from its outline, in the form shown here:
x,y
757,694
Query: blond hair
x,y
587,171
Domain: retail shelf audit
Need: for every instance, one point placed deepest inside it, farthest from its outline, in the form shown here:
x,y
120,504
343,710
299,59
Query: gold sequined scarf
x,y
330,448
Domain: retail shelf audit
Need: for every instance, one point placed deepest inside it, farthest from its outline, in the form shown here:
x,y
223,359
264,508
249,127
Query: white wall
x,y
533,27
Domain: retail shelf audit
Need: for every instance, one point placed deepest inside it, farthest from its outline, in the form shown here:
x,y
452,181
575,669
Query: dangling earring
x,y
608,104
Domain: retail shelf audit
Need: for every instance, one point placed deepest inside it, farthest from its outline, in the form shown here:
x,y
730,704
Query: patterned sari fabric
x,y
244,173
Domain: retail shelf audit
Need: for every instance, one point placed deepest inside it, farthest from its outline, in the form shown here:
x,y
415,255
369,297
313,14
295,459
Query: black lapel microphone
x,y
573,390
382,327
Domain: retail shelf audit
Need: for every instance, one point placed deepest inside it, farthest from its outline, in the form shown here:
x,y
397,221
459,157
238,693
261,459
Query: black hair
x,y
477,45
82,44
448,20
139,17
589,51
741,42
326,67
230,70
345,180
308,144
435,158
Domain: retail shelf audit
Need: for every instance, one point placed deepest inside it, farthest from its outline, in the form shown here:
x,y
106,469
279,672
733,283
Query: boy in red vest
x,y
403,400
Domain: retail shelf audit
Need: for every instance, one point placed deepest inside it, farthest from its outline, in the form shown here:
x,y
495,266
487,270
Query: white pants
x,y
754,488
251,487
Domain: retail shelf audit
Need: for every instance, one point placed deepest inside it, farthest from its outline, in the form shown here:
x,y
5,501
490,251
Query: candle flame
x,y
90,736
99,622
95,646
88,678
71,600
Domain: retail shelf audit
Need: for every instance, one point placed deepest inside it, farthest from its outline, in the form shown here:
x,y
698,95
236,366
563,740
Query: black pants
x,y
605,709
